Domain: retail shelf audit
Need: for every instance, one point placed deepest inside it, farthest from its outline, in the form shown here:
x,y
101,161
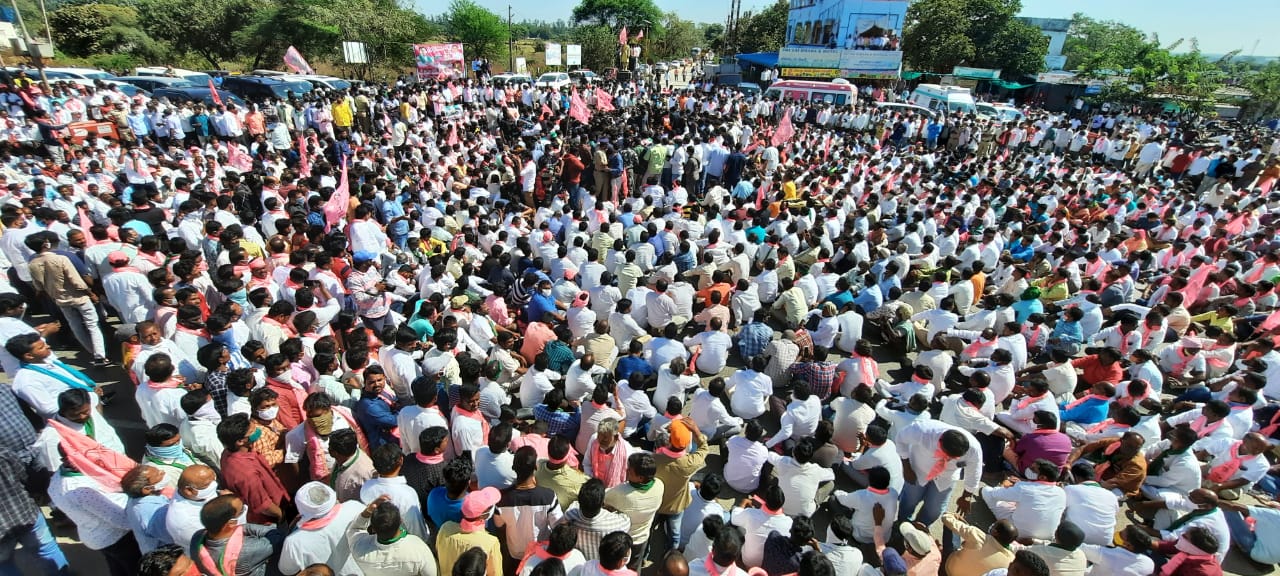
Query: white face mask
x,y
269,414
208,492
244,515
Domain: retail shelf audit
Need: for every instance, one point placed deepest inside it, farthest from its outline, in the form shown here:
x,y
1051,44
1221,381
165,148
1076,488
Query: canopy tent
x,y
766,59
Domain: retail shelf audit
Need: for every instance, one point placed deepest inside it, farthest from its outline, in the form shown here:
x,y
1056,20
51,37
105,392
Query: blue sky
x,y
1220,27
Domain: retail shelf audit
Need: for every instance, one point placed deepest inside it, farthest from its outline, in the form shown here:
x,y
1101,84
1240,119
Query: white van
x,y
197,78
947,99
838,92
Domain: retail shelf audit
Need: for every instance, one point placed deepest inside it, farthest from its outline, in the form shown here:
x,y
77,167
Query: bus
x,y
839,91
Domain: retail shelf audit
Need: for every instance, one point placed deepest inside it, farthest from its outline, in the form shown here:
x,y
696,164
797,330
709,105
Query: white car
x,y
556,80
81,73
999,112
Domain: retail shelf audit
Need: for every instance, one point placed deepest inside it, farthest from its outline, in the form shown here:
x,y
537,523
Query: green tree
x,y
481,32
1097,48
678,38
941,34
1265,86
764,31
85,29
204,28
599,46
308,25
634,14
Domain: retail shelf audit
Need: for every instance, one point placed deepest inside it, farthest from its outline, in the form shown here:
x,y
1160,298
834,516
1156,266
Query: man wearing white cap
x,y
320,537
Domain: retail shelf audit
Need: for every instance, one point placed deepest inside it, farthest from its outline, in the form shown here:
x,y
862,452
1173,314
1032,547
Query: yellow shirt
x,y
342,114
452,543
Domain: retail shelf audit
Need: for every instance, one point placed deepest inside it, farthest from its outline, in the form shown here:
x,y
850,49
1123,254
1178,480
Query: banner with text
x,y
573,55
860,38
553,54
438,60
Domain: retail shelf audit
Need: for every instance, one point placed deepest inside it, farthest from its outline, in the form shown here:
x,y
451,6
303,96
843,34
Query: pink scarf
x,y
1203,429
1223,472
609,468
166,385
973,350
230,556
714,570
322,521
104,465
940,461
1029,400
316,449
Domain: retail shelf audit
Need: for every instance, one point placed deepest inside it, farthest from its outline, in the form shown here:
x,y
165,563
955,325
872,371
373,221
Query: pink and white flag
x,y
294,60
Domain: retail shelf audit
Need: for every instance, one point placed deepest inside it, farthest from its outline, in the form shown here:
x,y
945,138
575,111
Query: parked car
x,y
556,80
319,80
660,68
151,83
261,87
904,108
196,94
580,76
128,89
502,80
197,78
82,73
999,112
747,88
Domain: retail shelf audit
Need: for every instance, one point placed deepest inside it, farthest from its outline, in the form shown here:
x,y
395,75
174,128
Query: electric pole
x,y
511,43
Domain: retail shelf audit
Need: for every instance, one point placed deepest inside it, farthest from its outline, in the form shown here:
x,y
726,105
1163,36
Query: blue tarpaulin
x,y
766,59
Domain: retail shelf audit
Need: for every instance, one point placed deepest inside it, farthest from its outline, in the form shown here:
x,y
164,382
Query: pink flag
x,y
85,224
455,90
453,136
640,36
213,93
238,159
546,110
826,147
304,159
603,100
784,132
336,208
578,109
622,36
294,60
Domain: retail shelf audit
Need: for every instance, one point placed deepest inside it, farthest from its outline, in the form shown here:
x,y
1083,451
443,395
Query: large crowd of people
x,y
441,328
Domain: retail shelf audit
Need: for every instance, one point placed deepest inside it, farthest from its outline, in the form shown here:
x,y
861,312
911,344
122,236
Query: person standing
x,y
226,545
932,454
54,275
99,514
22,522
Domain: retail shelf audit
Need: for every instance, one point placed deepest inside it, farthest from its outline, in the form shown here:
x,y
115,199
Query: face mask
x,y
157,487
546,292
243,518
240,297
269,414
208,492
172,452
208,413
1030,474
323,424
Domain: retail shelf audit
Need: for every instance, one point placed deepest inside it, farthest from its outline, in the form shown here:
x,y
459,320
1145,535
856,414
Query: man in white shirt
x,y
1034,505
746,457
800,479
801,417
934,455
387,461
412,420
1091,507
320,536
750,390
711,348
862,504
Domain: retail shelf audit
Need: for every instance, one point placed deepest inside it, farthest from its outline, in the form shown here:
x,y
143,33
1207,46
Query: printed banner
x,y
573,55
858,37
553,54
438,60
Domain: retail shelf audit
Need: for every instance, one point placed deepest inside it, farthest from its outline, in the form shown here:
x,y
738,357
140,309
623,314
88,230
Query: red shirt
x,y
290,411
1095,372
248,475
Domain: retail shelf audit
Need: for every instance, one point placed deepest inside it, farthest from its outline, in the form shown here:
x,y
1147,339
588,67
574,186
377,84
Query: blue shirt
x,y
1023,309
840,299
146,517
753,338
441,508
539,305
628,365
869,300
743,190
1091,411
1068,332
377,420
